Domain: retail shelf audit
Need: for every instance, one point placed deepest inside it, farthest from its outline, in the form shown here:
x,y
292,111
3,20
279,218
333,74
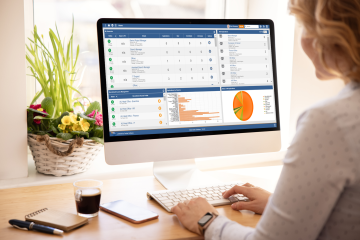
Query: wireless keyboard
x,y
213,194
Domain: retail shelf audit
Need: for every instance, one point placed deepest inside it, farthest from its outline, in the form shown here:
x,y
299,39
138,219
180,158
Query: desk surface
x,y
17,202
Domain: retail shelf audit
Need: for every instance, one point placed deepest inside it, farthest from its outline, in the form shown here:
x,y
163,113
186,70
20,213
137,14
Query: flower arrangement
x,y
56,72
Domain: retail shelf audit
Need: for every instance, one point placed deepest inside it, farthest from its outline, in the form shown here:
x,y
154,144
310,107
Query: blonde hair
x,y
335,26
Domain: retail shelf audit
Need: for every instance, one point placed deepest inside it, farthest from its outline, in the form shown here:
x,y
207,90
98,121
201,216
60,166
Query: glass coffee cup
x,y
87,197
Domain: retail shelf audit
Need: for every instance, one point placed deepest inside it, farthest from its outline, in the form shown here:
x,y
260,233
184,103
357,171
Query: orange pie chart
x,y
243,106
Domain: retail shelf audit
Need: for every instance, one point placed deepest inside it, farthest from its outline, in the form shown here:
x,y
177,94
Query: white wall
x,y
306,88
13,142
276,10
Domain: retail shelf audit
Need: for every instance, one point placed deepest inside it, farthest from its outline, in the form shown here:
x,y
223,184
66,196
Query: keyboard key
x,y
197,191
191,191
189,198
182,199
191,195
215,195
171,194
167,201
197,194
164,194
209,198
209,195
210,192
162,198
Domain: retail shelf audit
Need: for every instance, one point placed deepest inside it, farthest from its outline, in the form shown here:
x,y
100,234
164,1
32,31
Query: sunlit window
x,y
86,13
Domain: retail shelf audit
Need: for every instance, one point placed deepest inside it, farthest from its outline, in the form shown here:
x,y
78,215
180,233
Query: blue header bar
x,y
208,89
243,31
145,25
193,129
127,33
138,93
270,87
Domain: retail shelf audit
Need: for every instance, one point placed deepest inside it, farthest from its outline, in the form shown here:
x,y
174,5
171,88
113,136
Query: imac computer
x,y
178,89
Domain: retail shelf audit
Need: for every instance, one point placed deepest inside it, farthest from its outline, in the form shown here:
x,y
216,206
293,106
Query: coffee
x,y
89,201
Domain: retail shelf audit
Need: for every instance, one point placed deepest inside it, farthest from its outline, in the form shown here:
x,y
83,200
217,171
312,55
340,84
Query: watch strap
x,y
202,229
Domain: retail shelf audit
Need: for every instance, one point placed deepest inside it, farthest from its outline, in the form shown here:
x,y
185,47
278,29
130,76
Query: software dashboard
x,y
174,78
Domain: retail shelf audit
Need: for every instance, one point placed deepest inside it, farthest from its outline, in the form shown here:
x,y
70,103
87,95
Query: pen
x,y
23,225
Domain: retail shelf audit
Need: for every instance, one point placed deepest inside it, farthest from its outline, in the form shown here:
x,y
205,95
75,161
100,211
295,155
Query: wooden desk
x,y
17,202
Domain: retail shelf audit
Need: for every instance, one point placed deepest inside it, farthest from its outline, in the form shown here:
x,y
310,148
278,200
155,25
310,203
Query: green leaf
x,y
54,129
30,118
99,140
80,134
37,95
98,132
41,133
79,104
86,117
45,118
54,69
64,136
93,106
36,111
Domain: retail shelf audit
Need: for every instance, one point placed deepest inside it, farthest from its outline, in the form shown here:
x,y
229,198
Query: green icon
x,y
110,59
110,68
109,41
112,86
109,50
112,102
113,109
111,77
113,116
114,124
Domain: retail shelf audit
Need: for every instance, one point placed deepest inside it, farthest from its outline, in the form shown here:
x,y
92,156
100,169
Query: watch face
x,y
205,219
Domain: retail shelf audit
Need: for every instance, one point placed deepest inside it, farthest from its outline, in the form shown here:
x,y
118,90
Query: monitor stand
x,y
181,174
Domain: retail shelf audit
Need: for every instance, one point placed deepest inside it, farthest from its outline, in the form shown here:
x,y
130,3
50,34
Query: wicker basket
x,y
49,163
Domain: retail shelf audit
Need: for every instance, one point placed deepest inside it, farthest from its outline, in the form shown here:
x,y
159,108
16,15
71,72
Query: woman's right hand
x,y
258,197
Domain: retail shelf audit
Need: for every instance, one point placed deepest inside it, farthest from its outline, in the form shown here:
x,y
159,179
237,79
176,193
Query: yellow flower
x,y
84,124
76,127
66,120
40,109
73,118
62,126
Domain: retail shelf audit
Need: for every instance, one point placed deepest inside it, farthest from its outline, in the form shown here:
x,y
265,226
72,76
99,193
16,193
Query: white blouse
x,y
318,192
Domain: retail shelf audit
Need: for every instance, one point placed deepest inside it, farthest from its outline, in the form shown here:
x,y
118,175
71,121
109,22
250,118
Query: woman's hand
x,y
258,197
190,212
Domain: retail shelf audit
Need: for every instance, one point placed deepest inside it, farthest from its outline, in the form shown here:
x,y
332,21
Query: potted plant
x,y
62,142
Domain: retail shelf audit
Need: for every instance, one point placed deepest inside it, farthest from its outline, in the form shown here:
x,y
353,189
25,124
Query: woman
x,y
318,193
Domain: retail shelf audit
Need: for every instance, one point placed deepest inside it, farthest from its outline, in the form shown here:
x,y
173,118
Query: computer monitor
x,y
178,89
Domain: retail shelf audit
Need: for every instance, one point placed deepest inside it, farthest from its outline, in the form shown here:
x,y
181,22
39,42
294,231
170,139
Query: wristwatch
x,y
205,221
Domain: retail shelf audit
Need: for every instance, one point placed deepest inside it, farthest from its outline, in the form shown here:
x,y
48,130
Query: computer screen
x,y
164,79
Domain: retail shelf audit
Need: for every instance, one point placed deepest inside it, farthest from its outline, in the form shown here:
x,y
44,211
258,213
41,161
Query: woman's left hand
x,y
190,212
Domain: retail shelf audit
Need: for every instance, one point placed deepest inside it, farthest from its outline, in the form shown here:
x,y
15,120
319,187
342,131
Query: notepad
x,y
56,219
